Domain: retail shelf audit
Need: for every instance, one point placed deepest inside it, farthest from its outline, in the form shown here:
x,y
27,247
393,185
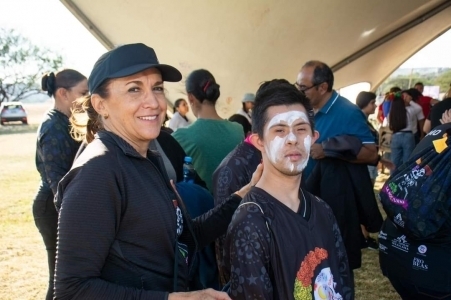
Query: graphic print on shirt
x,y
178,214
324,287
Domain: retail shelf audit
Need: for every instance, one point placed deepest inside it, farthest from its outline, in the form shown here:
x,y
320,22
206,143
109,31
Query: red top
x,y
425,103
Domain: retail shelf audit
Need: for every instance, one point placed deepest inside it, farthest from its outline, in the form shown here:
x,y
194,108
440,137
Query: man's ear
x,y
323,88
98,104
315,136
257,142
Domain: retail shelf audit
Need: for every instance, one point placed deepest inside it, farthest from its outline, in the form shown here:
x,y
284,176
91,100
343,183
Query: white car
x,y
12,111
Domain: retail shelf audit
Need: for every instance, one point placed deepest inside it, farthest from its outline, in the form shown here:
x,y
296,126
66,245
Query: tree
x,y
444,81
22,64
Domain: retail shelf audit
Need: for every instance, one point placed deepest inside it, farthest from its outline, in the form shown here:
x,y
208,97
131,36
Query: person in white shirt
x,y
416,116
179,118
403,121
248,105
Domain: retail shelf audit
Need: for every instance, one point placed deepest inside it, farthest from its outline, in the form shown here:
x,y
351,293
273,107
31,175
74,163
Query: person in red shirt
x,y
424,101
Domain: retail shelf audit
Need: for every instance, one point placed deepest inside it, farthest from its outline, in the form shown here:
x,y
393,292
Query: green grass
x,y
17,128
23,261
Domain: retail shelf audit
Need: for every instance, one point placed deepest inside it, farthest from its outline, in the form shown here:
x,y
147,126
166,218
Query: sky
x,y
49,24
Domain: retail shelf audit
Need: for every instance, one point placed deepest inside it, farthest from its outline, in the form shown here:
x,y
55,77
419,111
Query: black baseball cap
x,y
127,60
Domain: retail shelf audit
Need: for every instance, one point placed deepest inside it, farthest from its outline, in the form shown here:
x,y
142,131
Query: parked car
x,y
12,111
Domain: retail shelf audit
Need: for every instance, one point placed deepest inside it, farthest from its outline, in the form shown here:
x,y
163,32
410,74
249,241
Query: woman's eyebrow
x,y
139,82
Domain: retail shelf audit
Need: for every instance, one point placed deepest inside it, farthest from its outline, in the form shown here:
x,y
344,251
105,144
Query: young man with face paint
x,y
284,243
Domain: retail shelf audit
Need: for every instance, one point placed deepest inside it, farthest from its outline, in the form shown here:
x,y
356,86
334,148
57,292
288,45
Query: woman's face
x,y
183,108
66,97
407,98
78,91
136,107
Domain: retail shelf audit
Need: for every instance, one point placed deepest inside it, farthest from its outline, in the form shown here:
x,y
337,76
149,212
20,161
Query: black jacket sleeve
x,y
52,152
89,220
214,223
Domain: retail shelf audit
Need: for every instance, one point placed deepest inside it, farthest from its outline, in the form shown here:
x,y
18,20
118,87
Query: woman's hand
x,y
446,117
255,178
208,294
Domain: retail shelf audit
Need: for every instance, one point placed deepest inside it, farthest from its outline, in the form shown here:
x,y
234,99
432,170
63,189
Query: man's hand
x,y
446,117
317,152
388,164
367,155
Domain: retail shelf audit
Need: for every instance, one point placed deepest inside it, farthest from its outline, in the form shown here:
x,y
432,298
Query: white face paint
x,y
275,150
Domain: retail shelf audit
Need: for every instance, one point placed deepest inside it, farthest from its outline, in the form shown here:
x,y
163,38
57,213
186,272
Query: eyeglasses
x,y
303,88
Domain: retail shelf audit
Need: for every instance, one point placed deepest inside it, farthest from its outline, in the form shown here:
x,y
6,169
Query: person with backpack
x,y
415,239
283,242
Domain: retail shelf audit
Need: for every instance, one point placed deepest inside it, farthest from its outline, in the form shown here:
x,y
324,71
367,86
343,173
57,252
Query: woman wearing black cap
x,y
123,231
55,152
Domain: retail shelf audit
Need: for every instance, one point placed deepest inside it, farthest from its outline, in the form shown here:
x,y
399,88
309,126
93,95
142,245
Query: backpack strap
x,y
261,210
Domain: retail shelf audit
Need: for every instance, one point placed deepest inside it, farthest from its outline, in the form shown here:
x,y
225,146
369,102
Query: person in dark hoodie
x,y
123,230
284,243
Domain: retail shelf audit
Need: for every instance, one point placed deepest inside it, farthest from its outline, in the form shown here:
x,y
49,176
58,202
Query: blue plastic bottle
x,y
189,174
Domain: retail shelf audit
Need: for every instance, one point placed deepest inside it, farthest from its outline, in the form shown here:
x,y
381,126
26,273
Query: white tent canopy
x,y
244,42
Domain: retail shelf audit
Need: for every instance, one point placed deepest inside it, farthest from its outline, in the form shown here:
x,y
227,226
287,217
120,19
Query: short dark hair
x,y
274,93
395,89
364,98
397,117
419,83
177,104
414,93
321,73
65,79
203,86
242,120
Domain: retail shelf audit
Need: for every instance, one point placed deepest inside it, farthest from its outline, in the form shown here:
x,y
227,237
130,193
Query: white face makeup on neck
x,y
287,139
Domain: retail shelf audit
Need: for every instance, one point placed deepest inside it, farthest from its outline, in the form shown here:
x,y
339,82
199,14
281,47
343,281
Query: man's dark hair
x,y
395,89
321,73
242,120
364,98
419,83
274,93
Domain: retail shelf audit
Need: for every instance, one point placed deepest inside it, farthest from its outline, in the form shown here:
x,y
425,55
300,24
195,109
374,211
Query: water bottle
x,y
188,170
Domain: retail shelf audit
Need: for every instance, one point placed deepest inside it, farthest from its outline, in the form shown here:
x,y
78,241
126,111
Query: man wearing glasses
x,y
336,170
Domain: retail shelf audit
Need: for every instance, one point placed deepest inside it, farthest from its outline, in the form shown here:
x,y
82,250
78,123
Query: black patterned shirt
x,y
55,149
293,257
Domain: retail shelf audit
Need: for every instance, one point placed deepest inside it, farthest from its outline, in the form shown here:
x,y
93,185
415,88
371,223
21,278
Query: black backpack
x,y
417,196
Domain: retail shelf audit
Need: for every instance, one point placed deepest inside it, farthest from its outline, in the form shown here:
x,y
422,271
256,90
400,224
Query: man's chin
x,y
288,172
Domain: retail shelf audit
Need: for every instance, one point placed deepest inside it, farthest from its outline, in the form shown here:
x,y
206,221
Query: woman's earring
x,y
106,116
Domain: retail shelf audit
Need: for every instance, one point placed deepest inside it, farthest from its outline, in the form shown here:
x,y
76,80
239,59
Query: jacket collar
x,y
333,97
120,142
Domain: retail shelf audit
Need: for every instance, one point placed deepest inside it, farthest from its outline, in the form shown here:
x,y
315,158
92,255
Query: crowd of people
x,y
281,204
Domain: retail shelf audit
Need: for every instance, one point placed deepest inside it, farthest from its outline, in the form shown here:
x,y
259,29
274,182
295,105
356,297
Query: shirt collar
x,y
333,97
120,142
